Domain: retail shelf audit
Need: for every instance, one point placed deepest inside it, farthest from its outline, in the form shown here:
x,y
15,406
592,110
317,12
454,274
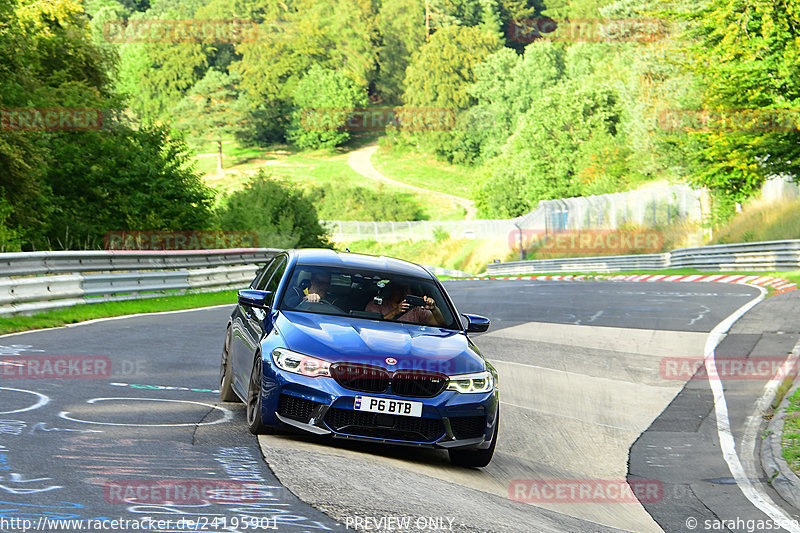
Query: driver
x,y
320,281
309,291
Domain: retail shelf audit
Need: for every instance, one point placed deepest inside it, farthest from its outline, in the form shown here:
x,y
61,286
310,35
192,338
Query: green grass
x,y
762,222
80,313
309,168
468,255
790,439
422,170
233,154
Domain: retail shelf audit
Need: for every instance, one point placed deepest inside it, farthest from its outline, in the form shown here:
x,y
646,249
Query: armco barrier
x,y
753,256
37,281
37,263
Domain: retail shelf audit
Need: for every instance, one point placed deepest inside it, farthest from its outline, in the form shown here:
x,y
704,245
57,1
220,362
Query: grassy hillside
x,y
330,168
761,221
423,170
468,255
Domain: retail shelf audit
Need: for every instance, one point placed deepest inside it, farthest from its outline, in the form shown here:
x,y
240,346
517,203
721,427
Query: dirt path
x,y
361,161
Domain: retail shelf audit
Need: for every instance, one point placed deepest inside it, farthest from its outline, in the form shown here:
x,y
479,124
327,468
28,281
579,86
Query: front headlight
x,y
298,363
471,383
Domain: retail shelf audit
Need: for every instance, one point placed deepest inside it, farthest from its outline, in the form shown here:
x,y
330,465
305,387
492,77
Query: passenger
x,y
394,307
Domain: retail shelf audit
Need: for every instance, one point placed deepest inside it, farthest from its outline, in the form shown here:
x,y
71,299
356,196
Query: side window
x,y
266,273
276,278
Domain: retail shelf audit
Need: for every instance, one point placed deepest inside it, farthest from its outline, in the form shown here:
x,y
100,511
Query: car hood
x,y
338,339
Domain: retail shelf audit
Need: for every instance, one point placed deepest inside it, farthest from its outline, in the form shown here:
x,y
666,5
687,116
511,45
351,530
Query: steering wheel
x,y
321,306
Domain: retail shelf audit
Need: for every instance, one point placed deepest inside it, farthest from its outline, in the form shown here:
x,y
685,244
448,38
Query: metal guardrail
x,y
36,263
38,281
769,256
617,263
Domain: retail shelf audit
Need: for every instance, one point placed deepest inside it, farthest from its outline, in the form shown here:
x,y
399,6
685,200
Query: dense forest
x,y
549,98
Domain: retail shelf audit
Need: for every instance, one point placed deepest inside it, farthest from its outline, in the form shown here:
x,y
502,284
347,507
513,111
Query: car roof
x,y
332,258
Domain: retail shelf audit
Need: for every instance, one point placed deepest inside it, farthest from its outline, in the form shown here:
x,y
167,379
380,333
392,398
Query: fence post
x,y
655,221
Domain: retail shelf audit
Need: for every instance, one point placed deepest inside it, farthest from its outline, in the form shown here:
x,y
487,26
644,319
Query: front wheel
x,y
226,393
475,458
254,399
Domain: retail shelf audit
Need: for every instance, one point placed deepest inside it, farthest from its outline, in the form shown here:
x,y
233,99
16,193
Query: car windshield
x,y
367,294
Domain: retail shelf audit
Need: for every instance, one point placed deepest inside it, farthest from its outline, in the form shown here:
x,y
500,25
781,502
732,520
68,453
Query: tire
x,y
475,458
254,399
226,393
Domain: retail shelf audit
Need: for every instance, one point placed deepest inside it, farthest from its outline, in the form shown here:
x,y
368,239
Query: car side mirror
x,y
476,323
254,298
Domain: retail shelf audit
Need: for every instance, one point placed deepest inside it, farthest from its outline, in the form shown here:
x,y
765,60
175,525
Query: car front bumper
x,y
321,406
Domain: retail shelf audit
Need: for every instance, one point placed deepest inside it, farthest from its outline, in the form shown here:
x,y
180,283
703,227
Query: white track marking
x,y
43,400
726,440
227,415
96,320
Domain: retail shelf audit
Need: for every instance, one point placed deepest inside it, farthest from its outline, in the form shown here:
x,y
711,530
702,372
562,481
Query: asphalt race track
x,y
584,397
72,448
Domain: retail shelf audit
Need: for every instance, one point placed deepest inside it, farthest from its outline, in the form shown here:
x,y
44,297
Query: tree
x,y
67,188
441,73
745,58
402,36
9,237
353,27
289,43
122,179
553,143
212,110
505,87
154,75
323,101
46,60
279,213
443,13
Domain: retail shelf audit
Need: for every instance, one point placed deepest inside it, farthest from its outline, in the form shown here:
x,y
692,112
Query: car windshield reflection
x,y
367,294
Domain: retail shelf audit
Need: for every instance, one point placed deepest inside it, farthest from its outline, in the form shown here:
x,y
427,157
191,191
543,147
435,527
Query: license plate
x,y
387,406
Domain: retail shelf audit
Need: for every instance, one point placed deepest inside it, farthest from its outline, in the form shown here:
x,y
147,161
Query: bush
x,y
121,179
566,144
9,238
323,100
360,203
440,234
279,213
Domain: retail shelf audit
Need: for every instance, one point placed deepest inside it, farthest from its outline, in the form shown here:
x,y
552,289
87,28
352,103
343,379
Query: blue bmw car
x,y
360,347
